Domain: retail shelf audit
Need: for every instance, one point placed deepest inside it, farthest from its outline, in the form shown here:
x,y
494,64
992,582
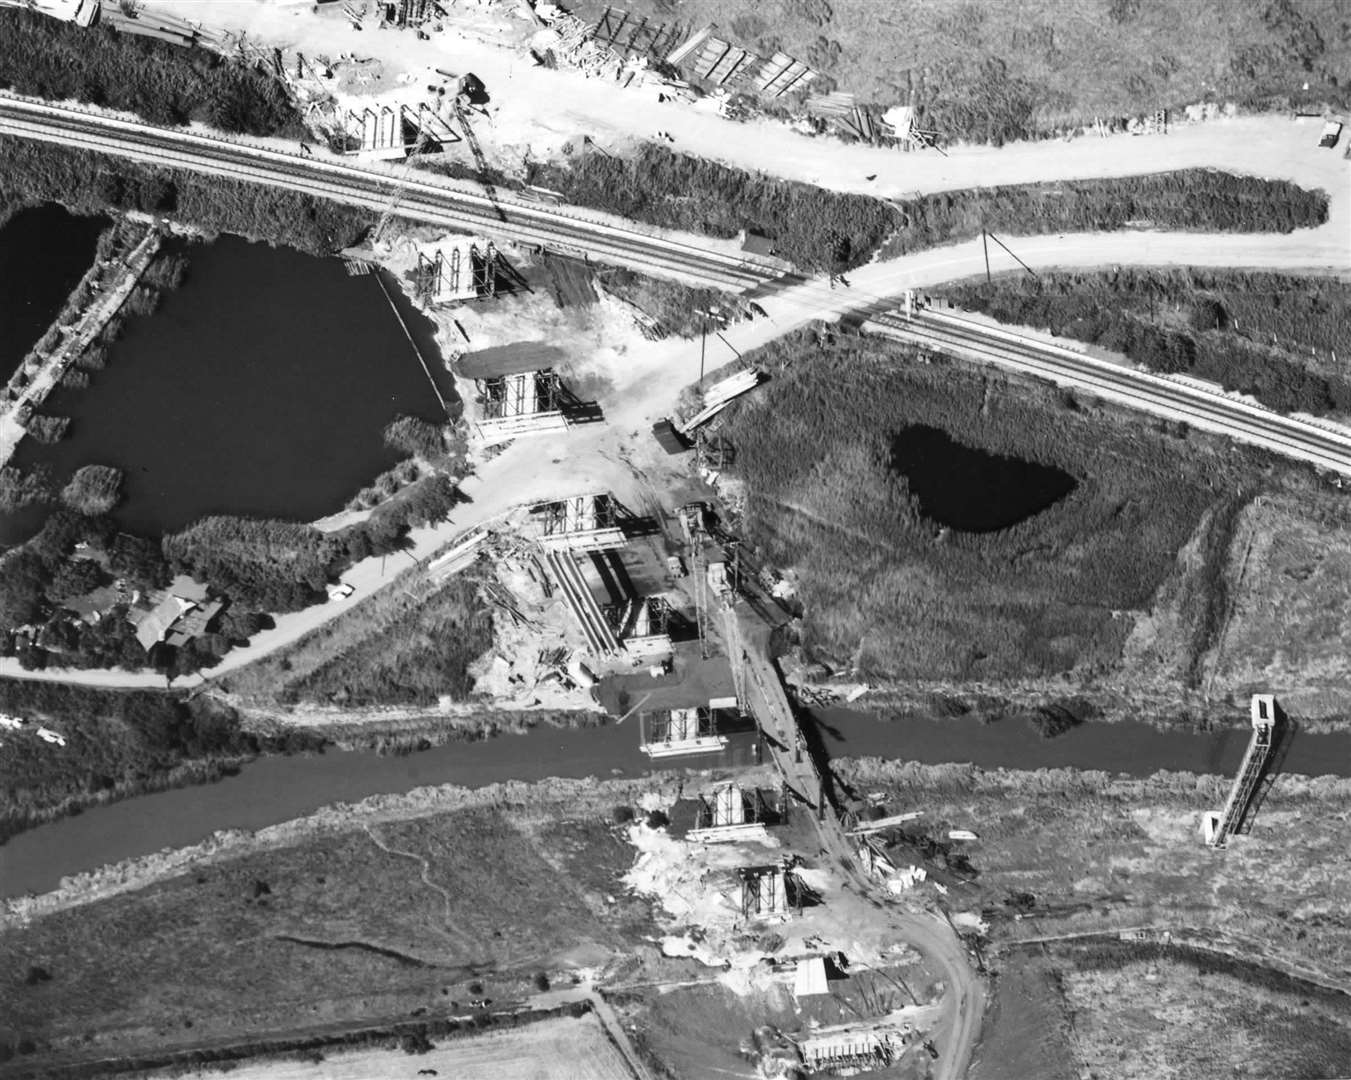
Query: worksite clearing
x,y
692,515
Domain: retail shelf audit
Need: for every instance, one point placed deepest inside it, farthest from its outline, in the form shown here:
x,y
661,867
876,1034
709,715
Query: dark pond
x,y
259,388
970,490
273,790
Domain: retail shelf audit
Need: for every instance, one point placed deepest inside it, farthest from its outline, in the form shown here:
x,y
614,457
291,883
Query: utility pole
x,y
703,341
985,244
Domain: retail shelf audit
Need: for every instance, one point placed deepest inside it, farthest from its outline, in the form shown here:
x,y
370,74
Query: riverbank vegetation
x,y
413,641
24,487
33,172
118,744
422,914
1193,200
1273,336
160,82
93,490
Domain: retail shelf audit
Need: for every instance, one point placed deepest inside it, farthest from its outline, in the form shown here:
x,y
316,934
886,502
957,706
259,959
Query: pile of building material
x,y
723,63
718,396
569,41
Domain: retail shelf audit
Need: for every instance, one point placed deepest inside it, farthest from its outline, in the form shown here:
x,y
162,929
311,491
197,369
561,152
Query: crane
x,y
479,160
396,193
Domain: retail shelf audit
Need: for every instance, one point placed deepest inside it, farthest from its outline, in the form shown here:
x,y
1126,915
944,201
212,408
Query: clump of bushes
x,y
418,437
46,428
813,228
94,489
263,564
1188,199
161,82
19,488
94,183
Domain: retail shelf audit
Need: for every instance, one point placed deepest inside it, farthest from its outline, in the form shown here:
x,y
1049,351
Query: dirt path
x,y
533,109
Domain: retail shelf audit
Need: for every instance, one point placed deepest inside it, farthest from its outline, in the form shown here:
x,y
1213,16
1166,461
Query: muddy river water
x,y
273,790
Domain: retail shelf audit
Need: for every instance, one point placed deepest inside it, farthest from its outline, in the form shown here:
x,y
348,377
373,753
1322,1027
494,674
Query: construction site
x,y
757,899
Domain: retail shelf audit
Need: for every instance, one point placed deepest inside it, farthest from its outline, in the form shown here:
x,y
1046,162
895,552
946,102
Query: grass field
x,y
1150,584
1025,1031
1160,1020
407,645
558,1049
341,928
885,584
1090,853
995,71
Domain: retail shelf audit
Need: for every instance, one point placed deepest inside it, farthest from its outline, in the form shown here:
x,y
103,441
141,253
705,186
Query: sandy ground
x,y
534,110
557,1049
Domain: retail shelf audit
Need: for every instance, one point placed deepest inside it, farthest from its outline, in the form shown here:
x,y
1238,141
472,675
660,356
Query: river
x,y
276,789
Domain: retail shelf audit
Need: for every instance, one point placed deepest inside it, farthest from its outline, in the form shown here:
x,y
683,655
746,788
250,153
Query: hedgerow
x,y
1201,200
1170,322
161,82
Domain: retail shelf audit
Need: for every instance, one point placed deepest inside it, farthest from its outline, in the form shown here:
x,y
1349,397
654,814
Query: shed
x,y
810,977
670,439
754,243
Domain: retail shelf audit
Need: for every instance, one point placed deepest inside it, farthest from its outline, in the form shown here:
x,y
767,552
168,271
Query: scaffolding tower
x,y
523,403
1218,826
588,522
680,731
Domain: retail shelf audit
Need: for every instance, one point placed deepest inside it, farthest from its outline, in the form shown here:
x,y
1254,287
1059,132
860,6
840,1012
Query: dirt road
x,y
535,110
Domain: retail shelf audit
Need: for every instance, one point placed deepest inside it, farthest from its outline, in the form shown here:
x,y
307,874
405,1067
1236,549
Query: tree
x,y
75,577
22,584
139,560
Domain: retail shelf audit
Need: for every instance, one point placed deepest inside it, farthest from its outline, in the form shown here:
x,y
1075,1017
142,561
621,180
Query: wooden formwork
x,y
627,34
720,61
782,73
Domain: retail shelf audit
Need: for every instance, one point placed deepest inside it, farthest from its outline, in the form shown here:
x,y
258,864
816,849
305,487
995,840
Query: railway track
x,y
557,228
1174,400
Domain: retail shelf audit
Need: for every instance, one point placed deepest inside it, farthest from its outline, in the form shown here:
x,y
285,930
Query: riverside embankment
x,y
273,790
